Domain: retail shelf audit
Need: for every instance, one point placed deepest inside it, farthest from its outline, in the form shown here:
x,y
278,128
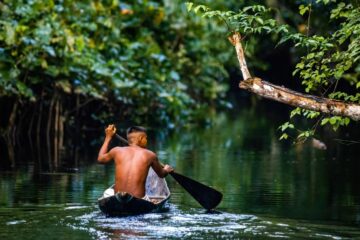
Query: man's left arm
x,y
104,156
161,170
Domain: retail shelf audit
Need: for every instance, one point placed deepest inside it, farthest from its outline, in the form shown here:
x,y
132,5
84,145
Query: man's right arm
x,y
104,156
161,171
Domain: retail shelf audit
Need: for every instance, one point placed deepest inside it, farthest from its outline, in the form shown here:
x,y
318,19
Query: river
x,y
271,190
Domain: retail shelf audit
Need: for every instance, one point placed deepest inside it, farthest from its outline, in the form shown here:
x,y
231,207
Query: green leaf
x,y
286,125
324,121
245,9
300,65
303,9
259,20
201,7
189,6
284,136
333,120
312,42
10,34
295,112
310,56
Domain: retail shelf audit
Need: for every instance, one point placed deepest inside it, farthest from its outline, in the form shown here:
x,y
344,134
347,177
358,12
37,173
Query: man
x,y
132,163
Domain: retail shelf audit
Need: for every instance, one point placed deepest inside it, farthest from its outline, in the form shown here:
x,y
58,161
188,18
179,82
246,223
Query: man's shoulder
x,y
117,149
127,148
143,152
149,153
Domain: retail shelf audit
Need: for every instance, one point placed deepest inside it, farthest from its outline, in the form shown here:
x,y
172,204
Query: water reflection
x,y
271,189
259,174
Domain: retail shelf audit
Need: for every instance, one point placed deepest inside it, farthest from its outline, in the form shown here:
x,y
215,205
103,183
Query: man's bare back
x,y
131,163
131,168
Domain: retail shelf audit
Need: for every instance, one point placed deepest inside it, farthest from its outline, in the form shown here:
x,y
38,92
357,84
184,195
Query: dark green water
x,y
271,190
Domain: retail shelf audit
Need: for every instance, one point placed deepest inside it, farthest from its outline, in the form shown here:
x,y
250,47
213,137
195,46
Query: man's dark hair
x,y
135,129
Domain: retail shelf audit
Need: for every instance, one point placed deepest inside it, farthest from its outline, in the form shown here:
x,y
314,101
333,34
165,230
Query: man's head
x,y
136,135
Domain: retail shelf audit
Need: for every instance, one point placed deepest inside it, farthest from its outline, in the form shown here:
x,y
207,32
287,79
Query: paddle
x,y
208,197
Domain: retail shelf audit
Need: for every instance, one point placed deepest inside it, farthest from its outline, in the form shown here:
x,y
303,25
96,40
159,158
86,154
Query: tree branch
x,y
296,99
235,40
290,97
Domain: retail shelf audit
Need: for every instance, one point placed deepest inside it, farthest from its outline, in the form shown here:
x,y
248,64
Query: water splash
x,y
196,224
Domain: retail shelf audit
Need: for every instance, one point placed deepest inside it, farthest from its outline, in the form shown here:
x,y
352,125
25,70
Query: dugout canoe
x,y
124,204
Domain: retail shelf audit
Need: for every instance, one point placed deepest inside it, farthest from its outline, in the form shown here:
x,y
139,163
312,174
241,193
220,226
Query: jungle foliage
x,y
328,64
69,67
130,55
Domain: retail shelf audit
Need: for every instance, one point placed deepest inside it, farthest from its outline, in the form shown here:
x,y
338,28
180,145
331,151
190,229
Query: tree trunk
x,y
38,132
287,96
29,133
77,131
56,134
48,135
9,134
61,133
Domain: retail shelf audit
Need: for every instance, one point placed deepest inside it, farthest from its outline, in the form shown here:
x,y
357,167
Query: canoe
x,y
123,204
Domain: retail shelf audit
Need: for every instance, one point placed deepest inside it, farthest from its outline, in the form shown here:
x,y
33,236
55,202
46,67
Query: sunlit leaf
x,y
189,6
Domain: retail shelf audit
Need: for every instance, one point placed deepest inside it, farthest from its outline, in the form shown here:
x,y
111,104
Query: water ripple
x,y
196,224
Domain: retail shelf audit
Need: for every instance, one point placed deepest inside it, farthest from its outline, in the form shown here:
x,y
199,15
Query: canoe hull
x,y
126,205
117,205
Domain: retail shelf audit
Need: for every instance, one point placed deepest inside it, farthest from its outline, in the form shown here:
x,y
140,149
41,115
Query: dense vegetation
x,y
69,67
328,61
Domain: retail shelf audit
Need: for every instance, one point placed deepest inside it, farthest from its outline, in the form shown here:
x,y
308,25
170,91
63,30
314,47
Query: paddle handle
x,y
121,139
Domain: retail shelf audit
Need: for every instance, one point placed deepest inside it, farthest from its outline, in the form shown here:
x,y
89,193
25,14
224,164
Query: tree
x,y
329,59
69,67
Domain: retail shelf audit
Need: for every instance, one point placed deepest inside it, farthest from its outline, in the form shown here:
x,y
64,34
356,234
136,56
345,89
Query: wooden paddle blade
x,y
208,197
